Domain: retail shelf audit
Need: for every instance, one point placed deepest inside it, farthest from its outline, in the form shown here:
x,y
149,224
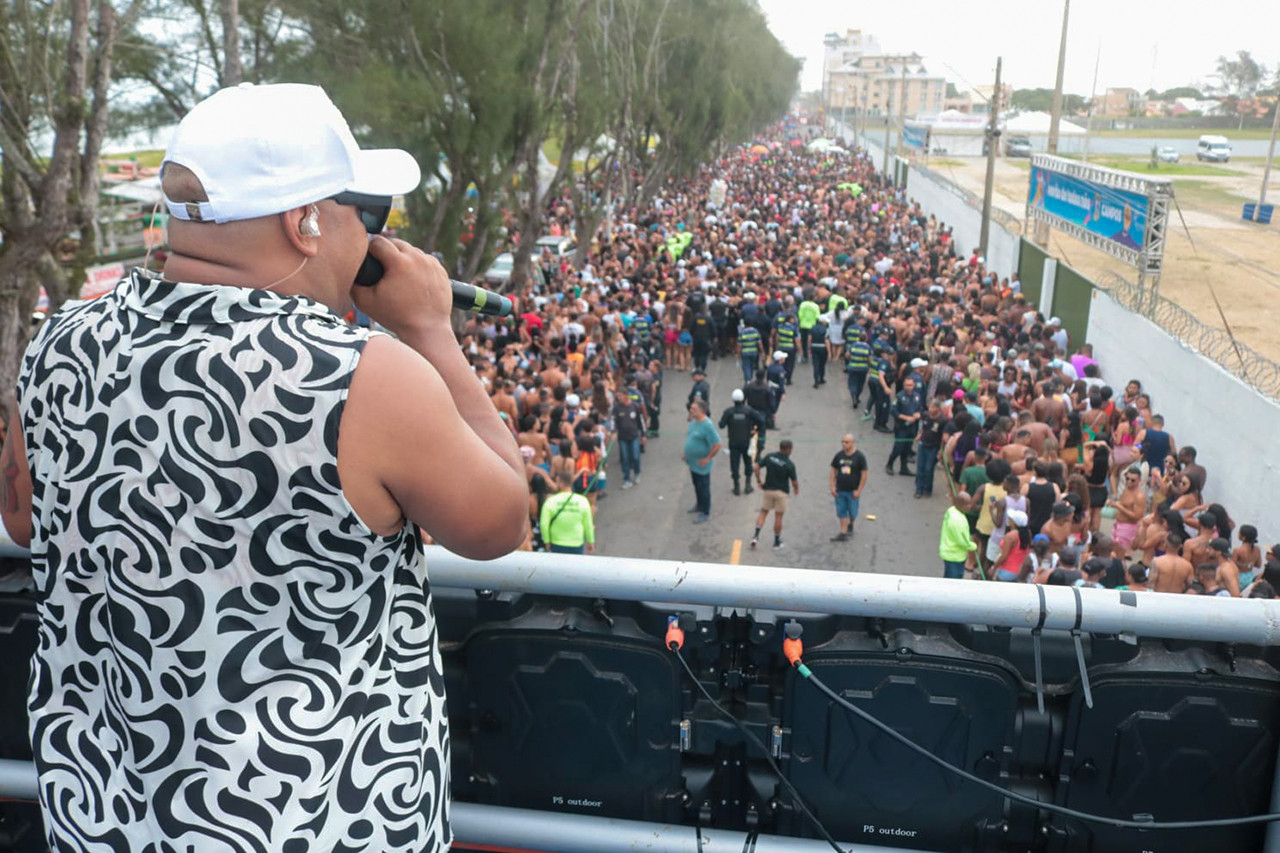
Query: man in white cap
x,y
777,376
741,424
223,484
1058,335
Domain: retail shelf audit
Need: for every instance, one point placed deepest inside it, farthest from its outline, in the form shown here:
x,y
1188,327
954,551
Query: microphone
x,y
466,297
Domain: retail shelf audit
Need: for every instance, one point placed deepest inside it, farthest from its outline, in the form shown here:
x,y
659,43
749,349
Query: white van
x,y
1215,149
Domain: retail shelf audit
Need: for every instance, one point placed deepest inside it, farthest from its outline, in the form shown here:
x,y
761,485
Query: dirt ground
x,y
1216,252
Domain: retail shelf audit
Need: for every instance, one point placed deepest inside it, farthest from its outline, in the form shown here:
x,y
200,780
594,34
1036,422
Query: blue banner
x,y
1108,212
914,136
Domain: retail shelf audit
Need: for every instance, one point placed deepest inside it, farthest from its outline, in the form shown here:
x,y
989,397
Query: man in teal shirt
x,y
701,444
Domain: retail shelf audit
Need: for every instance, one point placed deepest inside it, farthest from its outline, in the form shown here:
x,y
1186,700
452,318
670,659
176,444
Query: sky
x,y
1144,44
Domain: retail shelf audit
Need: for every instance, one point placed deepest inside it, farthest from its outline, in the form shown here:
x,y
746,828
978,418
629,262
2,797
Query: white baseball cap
x,y
259,150
737,396
779,356
1054,321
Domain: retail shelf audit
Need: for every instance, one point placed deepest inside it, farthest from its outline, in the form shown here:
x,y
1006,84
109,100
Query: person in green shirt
x,y
807,314
566,521
955,546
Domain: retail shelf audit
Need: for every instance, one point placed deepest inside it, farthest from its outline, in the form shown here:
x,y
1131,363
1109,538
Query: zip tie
x,y
1075,636
1035,648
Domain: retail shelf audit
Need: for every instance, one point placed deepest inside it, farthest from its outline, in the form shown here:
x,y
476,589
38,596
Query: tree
x,y
1240,78
55,77
1041,100
952,91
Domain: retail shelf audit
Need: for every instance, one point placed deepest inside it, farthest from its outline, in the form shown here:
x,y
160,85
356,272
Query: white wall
x,y
965,220
1228,423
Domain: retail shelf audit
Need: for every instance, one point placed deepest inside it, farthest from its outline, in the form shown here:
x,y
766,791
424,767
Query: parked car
x,y
499,272
1167,154
1017,146
1213,148
559,246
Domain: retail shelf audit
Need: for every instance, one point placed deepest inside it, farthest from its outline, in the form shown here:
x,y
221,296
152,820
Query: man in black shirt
x,y
848,478
759,396
818,352
928,445
740,421
628,418
701,329
779,474
719,310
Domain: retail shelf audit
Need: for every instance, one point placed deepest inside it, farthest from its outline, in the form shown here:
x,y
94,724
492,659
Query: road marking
x,y
736,553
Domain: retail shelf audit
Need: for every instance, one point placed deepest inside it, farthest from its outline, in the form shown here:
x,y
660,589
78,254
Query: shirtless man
x,y
1130,507
1227,573
504,402
1050,409
1197,548
1058,528
529,436
1016,450
1037,433
1170,572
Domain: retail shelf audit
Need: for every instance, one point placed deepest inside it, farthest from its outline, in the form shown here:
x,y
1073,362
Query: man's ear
x,y
291,221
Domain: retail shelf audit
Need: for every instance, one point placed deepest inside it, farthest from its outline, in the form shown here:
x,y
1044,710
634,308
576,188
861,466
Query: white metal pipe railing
x,y
495,827
1015,605
1012,605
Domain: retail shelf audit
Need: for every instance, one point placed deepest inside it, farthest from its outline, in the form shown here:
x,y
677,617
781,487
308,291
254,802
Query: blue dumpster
x,y
1264,213
1248,212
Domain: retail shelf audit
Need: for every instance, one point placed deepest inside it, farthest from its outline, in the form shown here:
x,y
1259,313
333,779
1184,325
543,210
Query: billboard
x,y
1113,214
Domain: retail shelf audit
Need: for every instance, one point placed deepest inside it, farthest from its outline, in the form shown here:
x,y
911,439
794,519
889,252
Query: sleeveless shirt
x,y
228,657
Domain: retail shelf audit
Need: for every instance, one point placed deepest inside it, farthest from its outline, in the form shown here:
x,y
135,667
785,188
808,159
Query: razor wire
x,y
1239,359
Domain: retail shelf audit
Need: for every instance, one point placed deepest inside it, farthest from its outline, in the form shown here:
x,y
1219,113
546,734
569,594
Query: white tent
x,y
1035,126
957,134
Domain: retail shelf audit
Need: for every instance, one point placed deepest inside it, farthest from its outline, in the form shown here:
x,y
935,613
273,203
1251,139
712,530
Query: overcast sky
x,y
1145,43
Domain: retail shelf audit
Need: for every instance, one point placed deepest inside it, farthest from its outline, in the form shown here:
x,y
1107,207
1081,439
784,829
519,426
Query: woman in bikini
x,y
1124,447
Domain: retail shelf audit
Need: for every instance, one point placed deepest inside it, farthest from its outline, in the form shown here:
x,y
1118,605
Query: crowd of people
x,y
1060,473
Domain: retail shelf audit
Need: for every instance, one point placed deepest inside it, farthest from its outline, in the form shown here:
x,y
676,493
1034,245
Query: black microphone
x,y
466,297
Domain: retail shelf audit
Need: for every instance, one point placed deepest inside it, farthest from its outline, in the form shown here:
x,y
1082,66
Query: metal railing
x,y
1239,359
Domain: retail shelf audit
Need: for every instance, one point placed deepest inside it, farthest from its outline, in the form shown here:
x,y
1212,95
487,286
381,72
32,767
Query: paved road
x,y
650,519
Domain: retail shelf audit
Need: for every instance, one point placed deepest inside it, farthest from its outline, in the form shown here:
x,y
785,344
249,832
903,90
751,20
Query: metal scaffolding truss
x,y
1149,261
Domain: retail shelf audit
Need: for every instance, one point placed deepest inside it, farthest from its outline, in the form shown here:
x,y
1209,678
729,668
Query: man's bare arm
x,y
15,482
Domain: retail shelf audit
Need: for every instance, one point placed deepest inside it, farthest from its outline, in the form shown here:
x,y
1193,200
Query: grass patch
x,y
1199,194
148,159
1185,133
1165,170
943,163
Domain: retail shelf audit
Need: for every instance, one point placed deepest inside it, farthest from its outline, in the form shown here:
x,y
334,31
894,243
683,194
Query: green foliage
x,y
1041,100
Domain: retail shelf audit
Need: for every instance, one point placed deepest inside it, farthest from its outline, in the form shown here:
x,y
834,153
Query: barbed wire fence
x,y
1239,359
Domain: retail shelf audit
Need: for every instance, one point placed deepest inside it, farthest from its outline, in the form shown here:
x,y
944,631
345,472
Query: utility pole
x,y
888,111
1271,153
993,143
1056,111
1093,95
902,110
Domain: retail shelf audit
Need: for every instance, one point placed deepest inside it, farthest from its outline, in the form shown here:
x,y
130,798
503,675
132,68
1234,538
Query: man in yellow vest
x,y
566,521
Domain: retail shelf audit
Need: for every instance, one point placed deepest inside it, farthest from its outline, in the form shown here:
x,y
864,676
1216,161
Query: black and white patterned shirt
x,y
229,659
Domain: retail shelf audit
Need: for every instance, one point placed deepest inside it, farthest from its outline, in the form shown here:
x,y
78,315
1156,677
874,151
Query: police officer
x,y
719,310
776,373
857,361
701,389
642,330
878,381
748,349
701,329
818,351
740,422
759,396
906,418
807,313
787,337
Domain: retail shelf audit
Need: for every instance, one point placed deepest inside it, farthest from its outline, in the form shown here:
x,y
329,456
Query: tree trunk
x,y
530,219
443,205
232,72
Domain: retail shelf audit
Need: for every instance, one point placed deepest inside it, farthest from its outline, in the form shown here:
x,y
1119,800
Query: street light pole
x,y
1271,153
1055,116
888,112
993,142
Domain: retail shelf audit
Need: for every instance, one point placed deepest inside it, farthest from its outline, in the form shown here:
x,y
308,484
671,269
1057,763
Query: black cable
x,y
773,765
1120,823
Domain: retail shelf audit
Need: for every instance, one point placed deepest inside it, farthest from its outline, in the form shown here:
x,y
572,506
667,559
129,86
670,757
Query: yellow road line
x,y
736,553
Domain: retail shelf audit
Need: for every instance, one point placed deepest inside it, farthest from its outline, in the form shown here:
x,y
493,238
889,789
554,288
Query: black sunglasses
x,y
373,209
